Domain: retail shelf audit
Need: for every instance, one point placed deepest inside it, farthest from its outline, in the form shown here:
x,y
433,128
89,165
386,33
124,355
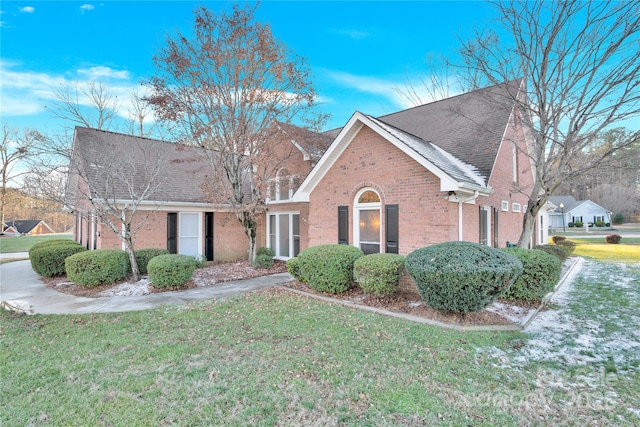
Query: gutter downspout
x,y
476,194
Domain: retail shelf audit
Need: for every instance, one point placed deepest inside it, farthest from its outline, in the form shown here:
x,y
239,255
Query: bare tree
x,y
225,88
91,105
16,147
111,188
581,70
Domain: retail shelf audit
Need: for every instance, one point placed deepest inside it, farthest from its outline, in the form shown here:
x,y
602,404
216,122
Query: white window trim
x,y
357,207
515,207
200,241
505,206
277,180
290,214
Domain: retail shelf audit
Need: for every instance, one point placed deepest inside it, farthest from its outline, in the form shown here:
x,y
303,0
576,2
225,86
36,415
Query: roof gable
x,y
469,126
453,174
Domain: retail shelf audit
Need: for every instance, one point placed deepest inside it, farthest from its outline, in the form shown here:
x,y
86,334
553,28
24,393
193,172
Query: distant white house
x,y
585,211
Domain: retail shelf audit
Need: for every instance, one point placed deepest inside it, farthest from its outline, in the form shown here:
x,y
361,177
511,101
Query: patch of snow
x,y
129,289
514,313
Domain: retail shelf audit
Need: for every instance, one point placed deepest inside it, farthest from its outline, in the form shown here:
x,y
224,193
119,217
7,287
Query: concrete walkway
x,y
20,285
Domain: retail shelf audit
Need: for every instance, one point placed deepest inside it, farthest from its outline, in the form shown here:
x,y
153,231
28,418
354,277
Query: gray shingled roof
x,y
120,166
469,126
23,226
444,161
313,144
567,201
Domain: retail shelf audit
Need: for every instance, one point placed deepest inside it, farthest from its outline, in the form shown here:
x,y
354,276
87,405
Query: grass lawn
x,y
273,358
24,243
607,252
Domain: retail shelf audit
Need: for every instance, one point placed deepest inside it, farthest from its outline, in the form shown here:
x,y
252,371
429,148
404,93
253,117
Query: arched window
x,y
367,230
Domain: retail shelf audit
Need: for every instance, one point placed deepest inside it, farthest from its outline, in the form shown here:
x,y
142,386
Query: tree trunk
x,y
128,244
249,226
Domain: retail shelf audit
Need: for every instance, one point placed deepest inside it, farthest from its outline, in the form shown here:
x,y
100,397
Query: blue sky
x,y
359,52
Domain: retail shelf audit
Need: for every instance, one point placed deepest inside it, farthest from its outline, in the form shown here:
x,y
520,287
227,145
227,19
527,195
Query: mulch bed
x,y
402,302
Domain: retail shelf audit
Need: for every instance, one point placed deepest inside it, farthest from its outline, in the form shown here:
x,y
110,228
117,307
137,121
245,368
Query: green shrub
x,y
568,245
143,256
557,251
293,267
540,274
48,260
613,239
600,223
579,224
558,239
571,224
167,271
201,261
461,277
53,242
263,261
99,267
378,274
328,268
266,251
617,218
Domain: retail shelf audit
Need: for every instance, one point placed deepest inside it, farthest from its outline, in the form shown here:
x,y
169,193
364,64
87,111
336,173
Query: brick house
x,y
176,211
455,169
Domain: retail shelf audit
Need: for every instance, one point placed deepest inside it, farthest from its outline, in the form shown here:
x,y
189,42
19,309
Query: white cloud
x,y
86,7
101,73
27,9
372,85
26,92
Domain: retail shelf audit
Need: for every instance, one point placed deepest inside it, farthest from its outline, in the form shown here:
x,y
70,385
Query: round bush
x,y
53,242
567,245
266,251
618,218
462,277
143,256
99,267
378,274
613,239
579,224
557,251
558,239
293,267
328,268
49,260
540,274
167,271
263,261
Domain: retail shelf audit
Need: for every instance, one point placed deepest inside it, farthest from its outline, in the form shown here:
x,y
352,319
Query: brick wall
x,y
425,216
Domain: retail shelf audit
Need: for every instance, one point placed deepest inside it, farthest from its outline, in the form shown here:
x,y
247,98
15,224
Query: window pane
x,y
370,226
272,232
296,234
283,188
283,221
369,197
189,229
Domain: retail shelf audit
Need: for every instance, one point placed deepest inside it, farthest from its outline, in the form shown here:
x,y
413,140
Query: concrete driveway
x,y
20,284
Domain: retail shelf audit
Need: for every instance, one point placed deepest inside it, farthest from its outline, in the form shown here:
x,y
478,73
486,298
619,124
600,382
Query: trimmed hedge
x,y
48,260
293,267
613,239
555,250
378,274
263,261
567,245
462,277
328,268
167,271
541,273
53,242
558,239
99,267
266,251
143,256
